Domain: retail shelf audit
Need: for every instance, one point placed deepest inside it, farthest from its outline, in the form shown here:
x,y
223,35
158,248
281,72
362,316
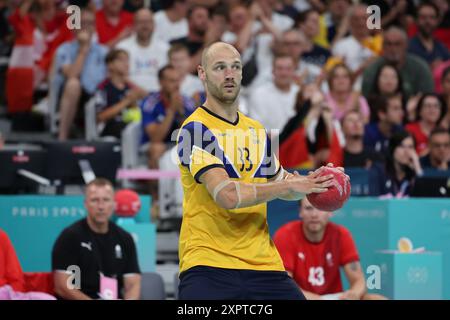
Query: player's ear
x,y
201,73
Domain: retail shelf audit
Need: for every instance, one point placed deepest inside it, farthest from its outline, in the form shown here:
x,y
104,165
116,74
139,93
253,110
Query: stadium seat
x,y
90,121
152,286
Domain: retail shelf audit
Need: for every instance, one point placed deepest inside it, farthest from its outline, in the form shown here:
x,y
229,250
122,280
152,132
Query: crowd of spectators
x,y
318,78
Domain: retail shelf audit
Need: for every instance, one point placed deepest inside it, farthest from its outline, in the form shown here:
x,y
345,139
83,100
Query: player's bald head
x,y
212,51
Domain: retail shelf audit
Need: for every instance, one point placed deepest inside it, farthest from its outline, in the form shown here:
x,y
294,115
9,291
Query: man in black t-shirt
x,y
355,153
104,253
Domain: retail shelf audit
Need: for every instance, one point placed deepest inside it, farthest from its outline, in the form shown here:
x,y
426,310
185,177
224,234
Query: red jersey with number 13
x,y
315,266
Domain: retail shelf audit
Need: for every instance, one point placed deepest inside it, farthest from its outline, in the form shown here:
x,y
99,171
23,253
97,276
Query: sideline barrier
x,y
34,222
378,224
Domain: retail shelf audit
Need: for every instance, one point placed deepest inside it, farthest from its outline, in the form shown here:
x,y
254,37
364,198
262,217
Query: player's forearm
x,y
113,110
158,131
359,287
234,194
72,294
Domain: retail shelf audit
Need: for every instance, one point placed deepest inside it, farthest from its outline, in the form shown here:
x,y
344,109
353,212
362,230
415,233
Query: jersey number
x,y
247,159
316,277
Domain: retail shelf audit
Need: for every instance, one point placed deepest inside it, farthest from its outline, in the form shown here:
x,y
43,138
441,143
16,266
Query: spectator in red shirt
x,y
12,280
313,250
430,112
112,23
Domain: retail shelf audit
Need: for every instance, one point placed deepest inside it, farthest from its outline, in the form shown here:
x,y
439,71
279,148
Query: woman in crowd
x,y
402,166
341,97
431,109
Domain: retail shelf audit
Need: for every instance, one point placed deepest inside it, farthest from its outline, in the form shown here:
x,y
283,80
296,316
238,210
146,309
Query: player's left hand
x,y
349,295
330,165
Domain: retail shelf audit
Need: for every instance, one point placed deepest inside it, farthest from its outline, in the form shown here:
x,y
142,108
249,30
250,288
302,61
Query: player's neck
x,y
228,112
314,237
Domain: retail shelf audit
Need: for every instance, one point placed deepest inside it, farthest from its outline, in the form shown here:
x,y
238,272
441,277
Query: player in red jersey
x,y
313,250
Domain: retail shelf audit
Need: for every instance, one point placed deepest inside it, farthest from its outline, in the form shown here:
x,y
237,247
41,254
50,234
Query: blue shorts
x,y
211,283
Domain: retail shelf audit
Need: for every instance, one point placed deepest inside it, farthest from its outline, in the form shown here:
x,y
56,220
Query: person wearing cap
x,y
94,258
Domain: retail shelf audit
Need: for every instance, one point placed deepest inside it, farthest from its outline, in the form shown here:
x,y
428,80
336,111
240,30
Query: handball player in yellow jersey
x,y
228,173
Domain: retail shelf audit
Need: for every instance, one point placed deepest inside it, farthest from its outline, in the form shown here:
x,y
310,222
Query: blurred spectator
x,y
12,280
390,113
10,270
273,102
402,166
388,81
424,44
356,154
241,28
133,5
171,23
163,112
147,53
438,75
398,13
116,98
324,138
102,250
333,23
341,97
314,249
308,23
79,67
293,41
302,5
416,75
39,27
180,60
439,155
445,82
267,29
441,33
6,34
201,33
113,23
352,49
430,112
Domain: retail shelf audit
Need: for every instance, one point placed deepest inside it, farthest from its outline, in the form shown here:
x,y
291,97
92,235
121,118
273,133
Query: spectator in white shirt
x,y
293,43
171,23
270,26
351,49
179,58
273,102
147,53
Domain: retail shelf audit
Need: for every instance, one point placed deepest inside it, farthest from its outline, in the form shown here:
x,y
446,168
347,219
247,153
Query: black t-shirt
x,y
364,159
112,253
318,55
106,96
193,46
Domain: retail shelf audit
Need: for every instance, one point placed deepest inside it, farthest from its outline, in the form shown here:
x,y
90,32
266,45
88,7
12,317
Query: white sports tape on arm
x,y
219,188
223,184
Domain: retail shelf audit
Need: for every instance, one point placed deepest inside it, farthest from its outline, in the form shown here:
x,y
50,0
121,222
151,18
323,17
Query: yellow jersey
x,y
211,235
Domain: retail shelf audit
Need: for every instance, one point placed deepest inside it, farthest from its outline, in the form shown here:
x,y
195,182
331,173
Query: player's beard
x,y
219,93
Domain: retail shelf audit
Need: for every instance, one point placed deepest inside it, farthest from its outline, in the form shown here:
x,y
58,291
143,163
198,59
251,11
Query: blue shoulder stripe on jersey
x,y
196,133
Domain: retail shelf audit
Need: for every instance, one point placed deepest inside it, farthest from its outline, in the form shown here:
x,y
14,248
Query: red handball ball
x,y
127,202
336,195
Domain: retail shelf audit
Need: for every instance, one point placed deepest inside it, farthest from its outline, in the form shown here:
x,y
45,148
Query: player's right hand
x,y
309,184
